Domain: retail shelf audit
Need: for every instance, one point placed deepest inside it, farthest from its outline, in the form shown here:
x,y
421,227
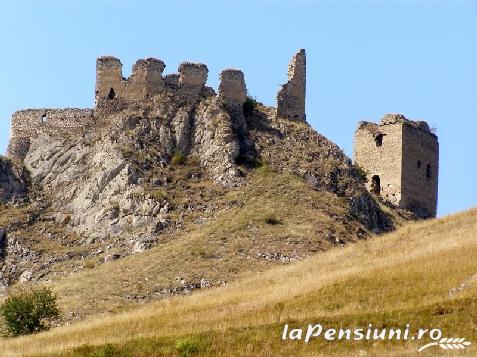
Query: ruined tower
x,y
232,87
401,161
145,80
291,97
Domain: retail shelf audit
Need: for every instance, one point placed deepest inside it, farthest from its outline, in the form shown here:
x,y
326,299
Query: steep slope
x,y
157,173
423,274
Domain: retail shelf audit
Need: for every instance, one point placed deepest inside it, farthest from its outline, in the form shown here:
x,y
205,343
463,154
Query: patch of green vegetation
x,y
360,172
25,313
158,194
178,158
263,167
249,106
188,346
272,220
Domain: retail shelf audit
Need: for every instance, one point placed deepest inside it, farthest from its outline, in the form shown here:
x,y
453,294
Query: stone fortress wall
x,y
31,122
146,81
401,158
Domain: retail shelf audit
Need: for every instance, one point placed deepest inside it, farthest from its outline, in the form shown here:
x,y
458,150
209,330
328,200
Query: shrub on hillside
x,y
178,158
26,312
187,346
360,172
249,106
272,220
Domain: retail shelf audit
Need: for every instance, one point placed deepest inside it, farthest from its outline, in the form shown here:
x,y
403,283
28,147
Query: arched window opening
x,y
428,171
111,94
379,139
376,185
418,164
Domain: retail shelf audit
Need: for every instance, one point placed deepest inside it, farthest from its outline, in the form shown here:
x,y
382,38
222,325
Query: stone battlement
x,y
145,80
114,92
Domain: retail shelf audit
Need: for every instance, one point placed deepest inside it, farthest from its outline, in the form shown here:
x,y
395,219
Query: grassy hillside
x,y
273,220
424,274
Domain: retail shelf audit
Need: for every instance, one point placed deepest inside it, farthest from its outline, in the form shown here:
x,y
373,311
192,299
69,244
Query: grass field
x,y
388,281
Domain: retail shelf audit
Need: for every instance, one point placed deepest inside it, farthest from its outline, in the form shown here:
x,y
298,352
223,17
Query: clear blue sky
x,y
365,59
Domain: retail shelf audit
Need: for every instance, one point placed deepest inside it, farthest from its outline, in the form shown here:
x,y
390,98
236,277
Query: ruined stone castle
x,y
114,92
400,156
401,161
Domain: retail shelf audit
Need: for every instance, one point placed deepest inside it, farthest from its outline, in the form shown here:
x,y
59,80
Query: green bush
x,y
25,313
249,106
360,172
273,221
178,158
187,346
263,167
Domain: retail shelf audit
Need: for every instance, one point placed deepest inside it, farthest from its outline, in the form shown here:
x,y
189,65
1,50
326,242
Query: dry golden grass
x,y
403,277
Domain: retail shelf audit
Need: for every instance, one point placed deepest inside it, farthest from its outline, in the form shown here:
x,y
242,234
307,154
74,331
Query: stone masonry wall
x,y
399,151
145,80
114,93
192,79
232,87
420,171
31,122
383,161
291,97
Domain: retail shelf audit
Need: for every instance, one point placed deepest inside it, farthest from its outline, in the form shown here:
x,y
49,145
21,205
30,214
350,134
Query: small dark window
x,y
379,139
428,171
376,185
418,164
111,94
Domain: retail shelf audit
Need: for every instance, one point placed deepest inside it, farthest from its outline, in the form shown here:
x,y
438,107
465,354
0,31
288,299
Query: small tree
x,y
249,106
25,313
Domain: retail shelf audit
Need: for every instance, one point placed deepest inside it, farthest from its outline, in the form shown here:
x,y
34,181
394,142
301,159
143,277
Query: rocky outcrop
x,y
215,142
13,182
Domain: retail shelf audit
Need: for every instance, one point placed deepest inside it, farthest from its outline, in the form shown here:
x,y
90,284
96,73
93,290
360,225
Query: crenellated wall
x,y
30,122
145,80
114,93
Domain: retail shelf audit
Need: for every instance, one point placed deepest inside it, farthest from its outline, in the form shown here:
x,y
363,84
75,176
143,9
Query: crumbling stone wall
x,y
146,84
420,170
31,122
232,88
145,80
192,79
396,154
291,97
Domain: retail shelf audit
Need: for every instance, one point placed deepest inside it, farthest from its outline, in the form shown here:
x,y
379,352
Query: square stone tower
x,y
401,160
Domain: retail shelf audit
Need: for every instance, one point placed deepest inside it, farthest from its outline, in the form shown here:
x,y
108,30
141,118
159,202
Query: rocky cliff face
x,y
13,182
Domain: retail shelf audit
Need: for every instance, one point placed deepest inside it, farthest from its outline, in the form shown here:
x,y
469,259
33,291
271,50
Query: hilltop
x,y
166,187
